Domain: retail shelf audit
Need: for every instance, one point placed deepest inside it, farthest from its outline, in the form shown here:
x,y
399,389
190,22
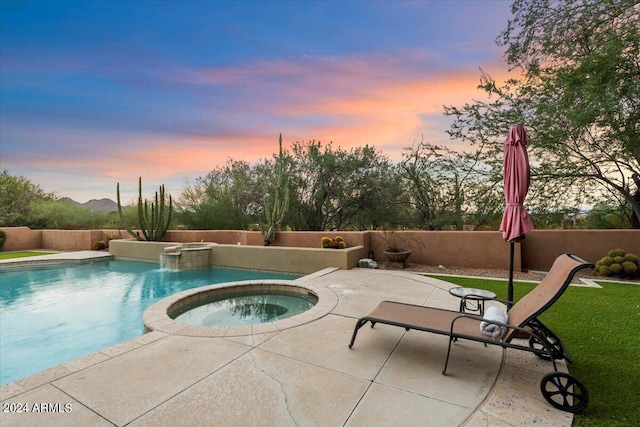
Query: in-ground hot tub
x,y
240,308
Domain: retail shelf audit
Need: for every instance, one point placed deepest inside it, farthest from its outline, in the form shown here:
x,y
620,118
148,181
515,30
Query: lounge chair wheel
x,y
556,347
564,392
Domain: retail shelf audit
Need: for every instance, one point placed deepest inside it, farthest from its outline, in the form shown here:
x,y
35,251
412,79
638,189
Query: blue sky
x,y
98,92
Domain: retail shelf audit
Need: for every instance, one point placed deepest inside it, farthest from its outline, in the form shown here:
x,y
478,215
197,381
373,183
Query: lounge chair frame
x,y
561,390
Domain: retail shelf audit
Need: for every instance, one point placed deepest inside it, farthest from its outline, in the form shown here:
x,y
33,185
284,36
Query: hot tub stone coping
x,y
156,317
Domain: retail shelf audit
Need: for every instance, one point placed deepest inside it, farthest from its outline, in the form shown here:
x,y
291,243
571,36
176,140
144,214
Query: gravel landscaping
x,y
493,273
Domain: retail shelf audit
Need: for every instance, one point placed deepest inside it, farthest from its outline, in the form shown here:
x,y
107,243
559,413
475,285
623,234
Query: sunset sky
x,y
98,92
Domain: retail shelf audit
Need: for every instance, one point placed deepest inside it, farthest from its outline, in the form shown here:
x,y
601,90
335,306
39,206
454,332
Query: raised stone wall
x,y
287,259
268,258
293,239
187,256
131,248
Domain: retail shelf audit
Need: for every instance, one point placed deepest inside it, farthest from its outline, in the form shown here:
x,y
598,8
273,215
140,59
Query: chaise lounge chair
x,y
560,389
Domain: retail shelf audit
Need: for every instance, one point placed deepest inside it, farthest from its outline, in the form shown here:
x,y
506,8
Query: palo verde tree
x,y
338,189
227,198
445,189
576,88
429,180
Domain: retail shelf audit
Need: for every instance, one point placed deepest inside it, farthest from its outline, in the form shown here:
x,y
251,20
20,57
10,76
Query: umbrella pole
x,y
510,285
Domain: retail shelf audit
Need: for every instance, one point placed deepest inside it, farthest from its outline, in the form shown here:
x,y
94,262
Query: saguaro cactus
x,y
153,220
276,203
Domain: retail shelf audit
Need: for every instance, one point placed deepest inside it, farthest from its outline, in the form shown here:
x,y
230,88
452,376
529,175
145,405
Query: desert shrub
x,y
99,245
633,258
617,263
606,260
629,268
616,252
335,243
3,239
65,215
615,269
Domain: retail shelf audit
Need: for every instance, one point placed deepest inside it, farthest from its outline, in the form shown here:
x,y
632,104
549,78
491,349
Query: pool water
x,y
248,309
49,316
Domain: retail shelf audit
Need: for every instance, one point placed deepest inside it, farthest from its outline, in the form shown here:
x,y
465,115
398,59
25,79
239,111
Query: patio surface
x,y
303,375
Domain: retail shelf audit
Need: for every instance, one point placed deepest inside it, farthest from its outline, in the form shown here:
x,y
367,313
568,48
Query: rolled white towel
x,y
494,314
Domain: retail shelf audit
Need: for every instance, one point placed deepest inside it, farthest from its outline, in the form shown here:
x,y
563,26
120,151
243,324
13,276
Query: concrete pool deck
x,y
302,374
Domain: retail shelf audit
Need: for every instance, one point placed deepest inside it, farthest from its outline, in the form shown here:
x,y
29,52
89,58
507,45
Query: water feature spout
x,y
186,256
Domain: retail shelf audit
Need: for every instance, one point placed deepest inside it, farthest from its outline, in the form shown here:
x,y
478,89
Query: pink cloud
x,y
385,100
379,99
389,111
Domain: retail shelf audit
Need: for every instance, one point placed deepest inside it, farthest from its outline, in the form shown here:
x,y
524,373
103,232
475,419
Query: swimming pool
x,y
49,316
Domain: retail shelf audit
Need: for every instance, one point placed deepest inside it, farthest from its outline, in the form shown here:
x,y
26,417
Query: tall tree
x,y
17,198
577,90
431,183
336,188
229,197
447,189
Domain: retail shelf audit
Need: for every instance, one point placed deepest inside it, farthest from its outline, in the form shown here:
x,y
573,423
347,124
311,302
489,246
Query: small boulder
x,y
367,263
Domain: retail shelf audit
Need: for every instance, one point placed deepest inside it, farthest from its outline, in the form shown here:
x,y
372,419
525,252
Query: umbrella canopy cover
x,y
516,221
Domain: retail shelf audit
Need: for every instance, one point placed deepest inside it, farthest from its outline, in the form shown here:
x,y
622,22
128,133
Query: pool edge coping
x,y
156,317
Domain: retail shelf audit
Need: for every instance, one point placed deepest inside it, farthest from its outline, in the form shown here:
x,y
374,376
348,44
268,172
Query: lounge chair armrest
x,y
482,319
503,301
546,349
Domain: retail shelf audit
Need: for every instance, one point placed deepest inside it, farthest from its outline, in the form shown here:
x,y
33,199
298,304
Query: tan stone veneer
x,y
267,258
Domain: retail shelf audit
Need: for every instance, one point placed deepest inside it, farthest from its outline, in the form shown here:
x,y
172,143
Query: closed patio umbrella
x,y
516,221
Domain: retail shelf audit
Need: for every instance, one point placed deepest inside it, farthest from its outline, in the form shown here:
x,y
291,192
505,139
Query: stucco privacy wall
x,y
22,238
472,249
450,248
77,240
541,247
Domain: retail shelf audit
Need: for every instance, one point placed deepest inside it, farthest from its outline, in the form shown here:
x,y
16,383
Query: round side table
x,y
472,299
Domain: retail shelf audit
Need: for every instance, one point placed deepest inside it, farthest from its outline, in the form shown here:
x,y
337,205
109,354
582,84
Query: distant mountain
x,y
68,200
106,205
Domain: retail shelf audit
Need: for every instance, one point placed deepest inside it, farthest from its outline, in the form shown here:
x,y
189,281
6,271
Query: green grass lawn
x,y
601,330
21,254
